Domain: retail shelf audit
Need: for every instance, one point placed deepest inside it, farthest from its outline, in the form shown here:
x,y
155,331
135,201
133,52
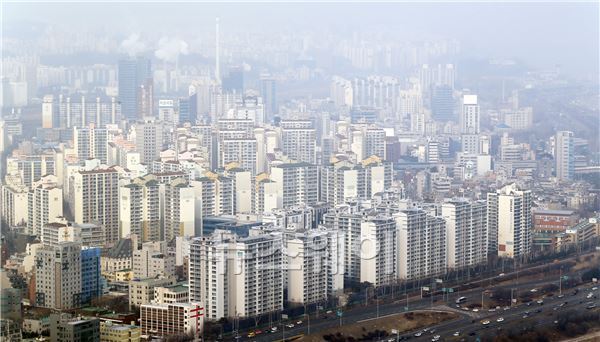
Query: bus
x,y
461,300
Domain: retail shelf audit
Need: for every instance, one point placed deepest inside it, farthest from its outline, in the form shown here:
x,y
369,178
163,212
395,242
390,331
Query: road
x,y
361,313
468,322
539,315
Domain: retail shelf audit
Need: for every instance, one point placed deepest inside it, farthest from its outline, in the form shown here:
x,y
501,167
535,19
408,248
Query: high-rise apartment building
x,y
298,140
297,183
149,140
378,251
91,143
421,244
509,216
240,151
314,265
70,111
236,277
466,232
45,204
564,155
141,208
179,209
95,198
470,115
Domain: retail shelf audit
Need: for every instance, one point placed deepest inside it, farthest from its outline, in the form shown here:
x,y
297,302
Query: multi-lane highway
x,y
484,322
468,324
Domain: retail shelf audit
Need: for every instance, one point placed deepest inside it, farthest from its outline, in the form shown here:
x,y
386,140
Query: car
x,y
533,290
594,288
501,275
465,308
555,322
486,322
298,322
251,334
258,332
590,306
528,303
291,325
456,334
418,334
492,310
433,339
426,329
560,295
437,337
458,305
500,319
273,329
540,302
237,337
589,295
432,331
475,310
525,315
329,311
506,308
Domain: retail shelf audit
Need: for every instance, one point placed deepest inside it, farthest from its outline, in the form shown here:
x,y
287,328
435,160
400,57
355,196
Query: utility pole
x,y
482,299
560,282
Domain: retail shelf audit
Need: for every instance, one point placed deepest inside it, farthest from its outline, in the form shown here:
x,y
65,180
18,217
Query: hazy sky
x,y
543,34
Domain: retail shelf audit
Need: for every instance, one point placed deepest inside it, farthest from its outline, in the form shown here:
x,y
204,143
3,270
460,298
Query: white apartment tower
x,y
470,116
95,198
45,204
179,218
297,183
509,221
378,251
421,244
91,143
236,277
298,140
149,140
315,265
466,232
141,208
564,155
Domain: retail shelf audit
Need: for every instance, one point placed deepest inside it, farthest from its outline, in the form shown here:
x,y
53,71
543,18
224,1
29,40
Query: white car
x,y
418,333
475,310
486,322
533,290
456,334
594,288
500,319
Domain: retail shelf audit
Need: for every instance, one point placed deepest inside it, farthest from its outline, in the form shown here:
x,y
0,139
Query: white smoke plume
x,y
170,48
132,45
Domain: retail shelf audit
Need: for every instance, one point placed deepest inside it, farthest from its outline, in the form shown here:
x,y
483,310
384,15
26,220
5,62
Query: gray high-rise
x,y
133,72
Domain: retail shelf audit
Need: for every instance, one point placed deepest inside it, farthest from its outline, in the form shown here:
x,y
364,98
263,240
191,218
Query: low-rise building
x,y
111,332
141,291
171,319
